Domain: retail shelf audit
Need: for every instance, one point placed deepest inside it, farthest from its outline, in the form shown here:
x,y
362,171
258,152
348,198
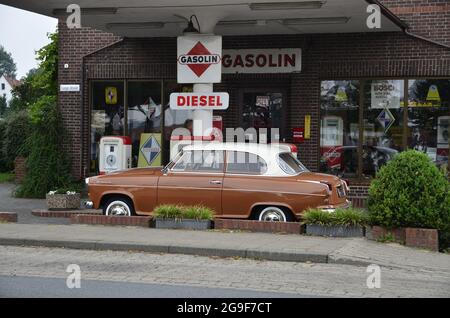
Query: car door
x,y
244,184
196,178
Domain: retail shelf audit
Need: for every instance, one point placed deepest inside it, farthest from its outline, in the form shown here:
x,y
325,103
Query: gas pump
x,y
115,154
332,141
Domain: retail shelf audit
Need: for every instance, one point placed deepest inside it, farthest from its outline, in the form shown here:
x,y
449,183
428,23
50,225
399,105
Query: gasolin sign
x,y
199,59
190,101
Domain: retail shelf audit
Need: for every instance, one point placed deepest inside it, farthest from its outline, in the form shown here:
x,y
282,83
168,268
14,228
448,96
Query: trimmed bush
x,y
47,165
410,191
197,212
343,217
16,130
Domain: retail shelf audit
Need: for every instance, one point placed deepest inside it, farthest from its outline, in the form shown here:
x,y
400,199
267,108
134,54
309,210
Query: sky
x,y
22,33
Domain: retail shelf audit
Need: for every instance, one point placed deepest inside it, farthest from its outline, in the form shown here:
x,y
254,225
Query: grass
x,y
6,177
196,212
343,217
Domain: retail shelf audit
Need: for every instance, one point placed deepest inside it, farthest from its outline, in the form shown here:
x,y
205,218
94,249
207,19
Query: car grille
x,y
341,191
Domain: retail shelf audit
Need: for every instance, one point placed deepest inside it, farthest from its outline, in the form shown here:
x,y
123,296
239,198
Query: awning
x,y
160,18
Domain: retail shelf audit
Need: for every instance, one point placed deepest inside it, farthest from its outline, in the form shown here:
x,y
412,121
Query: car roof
x,y
256,148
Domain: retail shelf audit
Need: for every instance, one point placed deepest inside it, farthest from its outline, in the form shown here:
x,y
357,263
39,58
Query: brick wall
x,y
429,18
326,56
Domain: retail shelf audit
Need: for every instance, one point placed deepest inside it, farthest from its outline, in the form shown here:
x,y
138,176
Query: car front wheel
x,y
274,214
118,206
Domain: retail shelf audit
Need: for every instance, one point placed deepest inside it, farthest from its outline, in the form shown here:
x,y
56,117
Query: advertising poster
x,y
386,94
149,150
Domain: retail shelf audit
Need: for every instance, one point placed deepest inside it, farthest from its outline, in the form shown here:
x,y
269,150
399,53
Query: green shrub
x,y
170,211
3,167
198,212
410,191
17,128
344,217
47,165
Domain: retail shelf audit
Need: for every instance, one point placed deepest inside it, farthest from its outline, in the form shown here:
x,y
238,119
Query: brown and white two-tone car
x,y
236,180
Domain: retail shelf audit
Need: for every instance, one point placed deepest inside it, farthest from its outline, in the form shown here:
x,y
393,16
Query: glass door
x,y
263,110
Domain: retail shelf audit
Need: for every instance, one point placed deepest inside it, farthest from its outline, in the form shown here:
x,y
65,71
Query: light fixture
x,y
190,28
88,11
287,5
237,22
307,21
136,25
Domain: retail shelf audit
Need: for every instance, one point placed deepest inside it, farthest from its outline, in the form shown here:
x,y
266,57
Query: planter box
x,y
182,224
8,217
335,231
412,237
142,221
258,226
378,232
63,201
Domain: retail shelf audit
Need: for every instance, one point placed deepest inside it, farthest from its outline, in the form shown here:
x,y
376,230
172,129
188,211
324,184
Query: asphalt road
x,y
39,287
39,272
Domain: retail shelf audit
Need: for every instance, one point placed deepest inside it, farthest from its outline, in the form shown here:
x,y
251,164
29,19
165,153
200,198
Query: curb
x,y
188,250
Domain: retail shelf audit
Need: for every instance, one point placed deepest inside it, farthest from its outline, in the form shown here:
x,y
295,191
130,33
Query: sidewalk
x,y
355,251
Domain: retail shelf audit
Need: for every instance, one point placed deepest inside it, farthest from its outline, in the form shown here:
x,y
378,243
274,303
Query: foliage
x,y
3,167
47,165
343,217
410,191
197,212
7,65
6,177
17,128
3,106
168,211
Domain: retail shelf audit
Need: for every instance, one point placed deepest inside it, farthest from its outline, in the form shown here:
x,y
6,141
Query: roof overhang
x,y
157,18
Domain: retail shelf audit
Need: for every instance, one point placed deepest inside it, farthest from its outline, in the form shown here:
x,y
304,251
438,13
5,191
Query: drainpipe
x,y
405,27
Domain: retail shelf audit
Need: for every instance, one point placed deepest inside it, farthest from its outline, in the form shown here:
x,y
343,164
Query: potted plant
x,y
183,217
63,199
341,223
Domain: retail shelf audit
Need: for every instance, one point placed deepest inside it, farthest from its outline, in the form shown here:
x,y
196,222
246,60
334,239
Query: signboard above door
x,y
262,61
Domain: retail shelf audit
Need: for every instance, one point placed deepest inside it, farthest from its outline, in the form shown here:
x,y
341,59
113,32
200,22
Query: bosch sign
x,y
199,59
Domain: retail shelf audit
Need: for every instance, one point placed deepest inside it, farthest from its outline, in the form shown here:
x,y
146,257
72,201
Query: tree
x,y
7,65
3,106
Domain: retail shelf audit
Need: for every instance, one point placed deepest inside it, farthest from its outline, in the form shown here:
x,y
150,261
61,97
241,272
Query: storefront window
x,y
428,118
107,114
143,112
383,123
339,133
174,118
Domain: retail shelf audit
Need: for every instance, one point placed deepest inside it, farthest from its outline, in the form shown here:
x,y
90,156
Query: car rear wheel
x,y
274,214
118,206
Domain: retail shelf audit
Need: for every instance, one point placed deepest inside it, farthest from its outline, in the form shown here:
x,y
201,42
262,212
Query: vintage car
x,y
236,180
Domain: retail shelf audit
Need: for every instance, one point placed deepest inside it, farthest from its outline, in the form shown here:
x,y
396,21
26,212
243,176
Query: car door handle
x,y
215,182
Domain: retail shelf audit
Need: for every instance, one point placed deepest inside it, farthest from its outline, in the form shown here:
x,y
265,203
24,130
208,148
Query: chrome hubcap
x,y
273,216
118,209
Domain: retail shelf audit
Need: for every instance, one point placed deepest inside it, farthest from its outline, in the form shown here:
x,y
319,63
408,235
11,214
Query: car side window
x,y
240,162
200,161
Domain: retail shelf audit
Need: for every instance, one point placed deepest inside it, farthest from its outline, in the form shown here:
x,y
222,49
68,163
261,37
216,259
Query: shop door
x,y
264,110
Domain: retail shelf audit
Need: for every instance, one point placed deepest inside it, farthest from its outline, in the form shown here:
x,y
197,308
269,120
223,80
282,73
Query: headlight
x,y
331,210
86,180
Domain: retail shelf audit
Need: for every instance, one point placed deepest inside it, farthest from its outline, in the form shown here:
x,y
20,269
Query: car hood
x,y
131,172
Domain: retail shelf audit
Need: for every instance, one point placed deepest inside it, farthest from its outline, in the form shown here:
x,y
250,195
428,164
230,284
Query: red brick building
x,y
355,126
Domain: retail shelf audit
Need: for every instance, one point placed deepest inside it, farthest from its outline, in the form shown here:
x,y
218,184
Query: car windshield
x,y
290,164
